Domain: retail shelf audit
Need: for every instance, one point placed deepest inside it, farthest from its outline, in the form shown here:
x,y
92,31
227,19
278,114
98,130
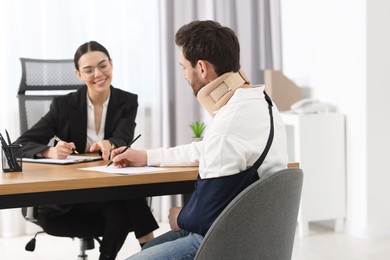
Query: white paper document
x,y
126,170
71,159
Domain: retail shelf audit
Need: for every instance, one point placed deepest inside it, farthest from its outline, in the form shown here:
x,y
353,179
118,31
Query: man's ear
x,y
204,67
206,70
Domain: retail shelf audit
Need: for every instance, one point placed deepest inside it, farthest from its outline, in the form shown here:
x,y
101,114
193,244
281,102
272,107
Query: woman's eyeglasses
x,y
89,72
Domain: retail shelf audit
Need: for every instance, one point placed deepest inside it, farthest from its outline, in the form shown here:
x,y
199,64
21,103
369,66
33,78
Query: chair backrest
x,y
41,81
259,223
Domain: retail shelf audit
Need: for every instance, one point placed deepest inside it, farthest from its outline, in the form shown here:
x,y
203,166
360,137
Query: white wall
x,y
325,47
378,130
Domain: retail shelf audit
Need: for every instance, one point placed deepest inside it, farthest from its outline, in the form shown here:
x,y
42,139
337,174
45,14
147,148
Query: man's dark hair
x,y
210,41
87,47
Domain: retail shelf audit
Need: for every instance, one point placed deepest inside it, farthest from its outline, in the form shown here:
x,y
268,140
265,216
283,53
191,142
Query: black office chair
x,y
42,80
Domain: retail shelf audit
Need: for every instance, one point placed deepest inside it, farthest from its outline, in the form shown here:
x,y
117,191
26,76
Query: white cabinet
x,y
317,142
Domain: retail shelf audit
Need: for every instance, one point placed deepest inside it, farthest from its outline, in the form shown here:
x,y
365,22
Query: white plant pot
x,y
196,139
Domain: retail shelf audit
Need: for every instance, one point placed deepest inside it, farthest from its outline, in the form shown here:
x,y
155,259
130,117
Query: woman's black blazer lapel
x,y
78,118
113,108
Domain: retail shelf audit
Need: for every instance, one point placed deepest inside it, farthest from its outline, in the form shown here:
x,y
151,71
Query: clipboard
x,y
71,159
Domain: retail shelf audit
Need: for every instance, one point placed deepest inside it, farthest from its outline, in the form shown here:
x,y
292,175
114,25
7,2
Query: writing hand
x,y
60,151
130,157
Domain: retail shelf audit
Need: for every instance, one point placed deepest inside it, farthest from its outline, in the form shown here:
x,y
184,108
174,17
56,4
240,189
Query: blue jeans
x,y
172,245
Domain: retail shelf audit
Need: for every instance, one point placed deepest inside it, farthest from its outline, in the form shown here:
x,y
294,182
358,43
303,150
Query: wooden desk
x,y
44,184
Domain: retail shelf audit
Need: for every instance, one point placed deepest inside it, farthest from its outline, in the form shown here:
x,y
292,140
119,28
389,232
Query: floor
x,y
320,244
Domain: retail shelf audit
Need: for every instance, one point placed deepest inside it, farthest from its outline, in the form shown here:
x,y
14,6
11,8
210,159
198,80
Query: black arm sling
x,y
212,195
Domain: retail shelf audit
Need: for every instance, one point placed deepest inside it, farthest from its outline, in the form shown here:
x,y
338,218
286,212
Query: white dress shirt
x,y
234,141
92,135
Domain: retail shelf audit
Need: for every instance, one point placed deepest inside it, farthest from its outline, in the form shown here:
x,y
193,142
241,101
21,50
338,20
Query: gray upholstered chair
x,y
259,223
41,81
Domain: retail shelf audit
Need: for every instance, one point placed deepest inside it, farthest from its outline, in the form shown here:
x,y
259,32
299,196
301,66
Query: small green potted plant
x,y
197,129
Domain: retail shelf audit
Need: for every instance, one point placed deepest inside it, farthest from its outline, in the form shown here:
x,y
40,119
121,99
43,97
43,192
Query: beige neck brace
x,y
217,93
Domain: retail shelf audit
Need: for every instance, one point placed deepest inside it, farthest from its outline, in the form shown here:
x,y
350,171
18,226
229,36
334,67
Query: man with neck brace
x,y
246,126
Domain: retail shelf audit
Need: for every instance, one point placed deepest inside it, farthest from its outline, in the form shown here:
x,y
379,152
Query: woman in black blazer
x,y
96,118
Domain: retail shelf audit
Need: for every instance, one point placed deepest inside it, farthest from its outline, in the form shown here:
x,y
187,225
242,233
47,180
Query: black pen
x,y
59,140
3,142
7,152
12,161
127,147
9,139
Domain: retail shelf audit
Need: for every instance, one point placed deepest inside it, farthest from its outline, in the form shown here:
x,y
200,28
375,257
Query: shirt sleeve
x,y
182,155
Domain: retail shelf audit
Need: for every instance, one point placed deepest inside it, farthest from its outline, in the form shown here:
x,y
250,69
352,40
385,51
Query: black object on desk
x,y
11,155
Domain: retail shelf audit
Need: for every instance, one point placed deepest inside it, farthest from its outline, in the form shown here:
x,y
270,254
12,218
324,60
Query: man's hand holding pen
x,y
125,156
130,157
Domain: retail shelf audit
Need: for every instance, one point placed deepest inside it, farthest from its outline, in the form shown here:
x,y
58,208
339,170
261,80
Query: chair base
x,y
85,244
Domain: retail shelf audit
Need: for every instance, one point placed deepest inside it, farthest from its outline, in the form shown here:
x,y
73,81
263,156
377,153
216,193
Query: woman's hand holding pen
x,y
131,157
60,151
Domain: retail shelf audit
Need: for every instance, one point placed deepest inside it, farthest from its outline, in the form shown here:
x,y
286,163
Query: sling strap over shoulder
x,y
212,195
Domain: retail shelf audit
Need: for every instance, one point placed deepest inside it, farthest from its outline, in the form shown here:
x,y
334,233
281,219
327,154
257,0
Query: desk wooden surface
x,y
49,177
46,184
